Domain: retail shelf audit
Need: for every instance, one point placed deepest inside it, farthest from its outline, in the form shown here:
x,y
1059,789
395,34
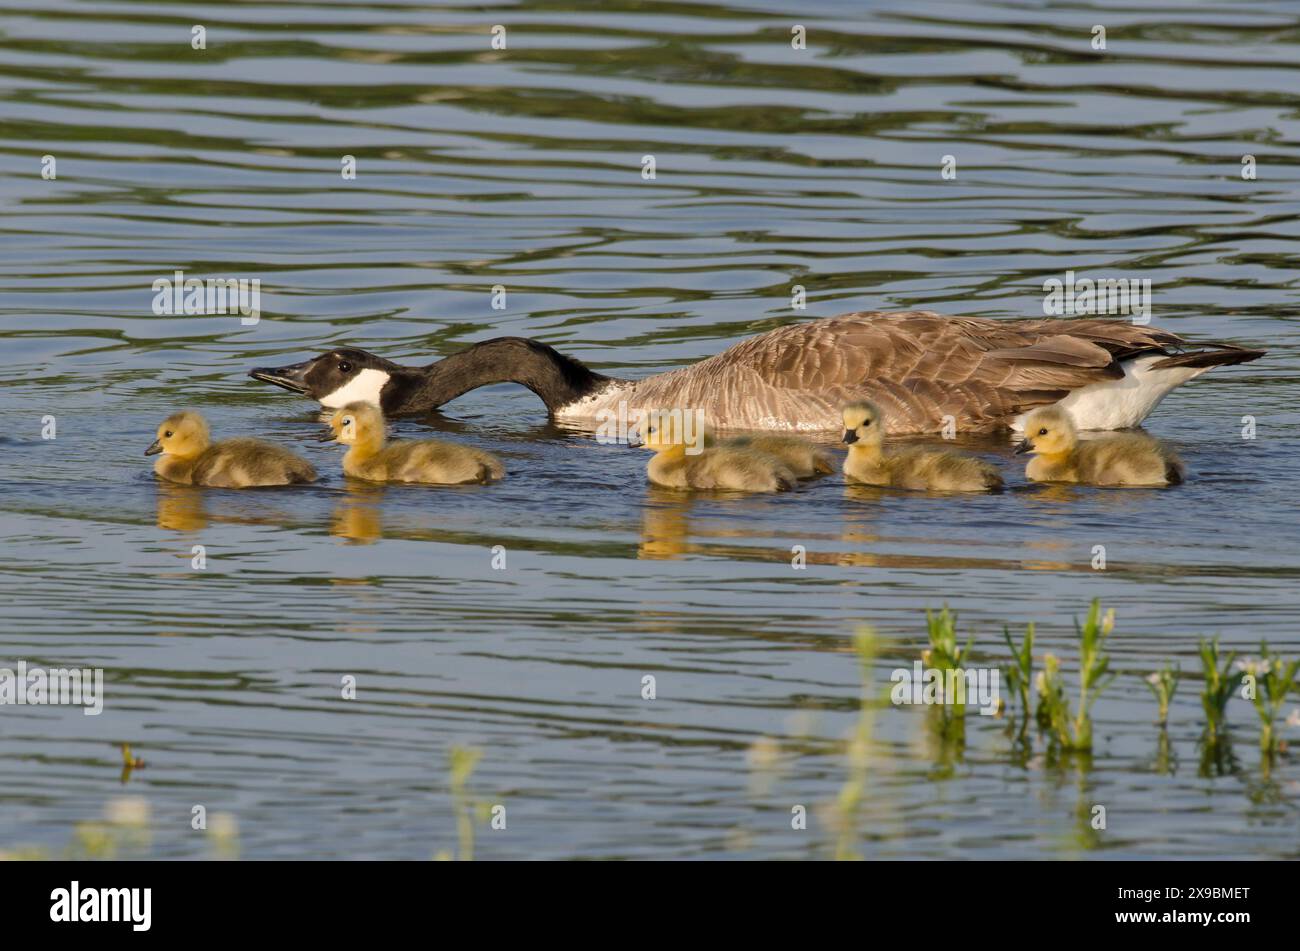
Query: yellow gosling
x,y
189,456
1116,459
936,470
805,458
372,457
715,466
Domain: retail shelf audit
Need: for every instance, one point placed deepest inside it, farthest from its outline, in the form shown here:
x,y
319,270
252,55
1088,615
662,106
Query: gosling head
x,y
357,424
863,424
1048,431
183,435
674,430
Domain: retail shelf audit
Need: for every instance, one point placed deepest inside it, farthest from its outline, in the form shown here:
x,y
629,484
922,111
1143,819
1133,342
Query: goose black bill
x,y
292,377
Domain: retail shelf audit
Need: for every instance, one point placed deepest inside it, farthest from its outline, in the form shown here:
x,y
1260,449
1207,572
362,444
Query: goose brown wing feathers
x,y
920,366
855,348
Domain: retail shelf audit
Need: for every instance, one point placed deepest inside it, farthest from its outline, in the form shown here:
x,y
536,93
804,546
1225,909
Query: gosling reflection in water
x,y
665,525
181,508
667,534
185,508
666,531
357,517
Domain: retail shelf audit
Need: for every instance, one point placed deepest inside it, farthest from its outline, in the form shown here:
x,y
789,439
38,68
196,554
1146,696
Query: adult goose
x,y
919,367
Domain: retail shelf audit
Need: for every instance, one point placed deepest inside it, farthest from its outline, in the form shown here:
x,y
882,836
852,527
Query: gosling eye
x,y
1043,431
866,422
167,435
347,421
345,366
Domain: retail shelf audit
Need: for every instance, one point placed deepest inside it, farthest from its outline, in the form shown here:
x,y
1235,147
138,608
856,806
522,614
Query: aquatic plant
x,y
125,827
1164,684
944,655
1072,728
1020,675
130,763
857,754
1267,683
1219,685
1166,761
1050,691
461,761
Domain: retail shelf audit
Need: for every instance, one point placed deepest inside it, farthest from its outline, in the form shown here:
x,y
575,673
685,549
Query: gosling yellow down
x,y
190,457
804,458
940,470
1116,459
432,461
714,466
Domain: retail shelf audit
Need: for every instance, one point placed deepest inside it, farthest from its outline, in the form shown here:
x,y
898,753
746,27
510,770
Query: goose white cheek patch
x,y
365,387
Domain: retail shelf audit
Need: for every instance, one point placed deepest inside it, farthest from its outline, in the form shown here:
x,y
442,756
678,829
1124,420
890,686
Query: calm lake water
x,y
522,167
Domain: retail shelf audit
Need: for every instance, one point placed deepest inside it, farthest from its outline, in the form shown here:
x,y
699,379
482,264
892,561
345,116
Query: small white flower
x,y
1153,679
1294,718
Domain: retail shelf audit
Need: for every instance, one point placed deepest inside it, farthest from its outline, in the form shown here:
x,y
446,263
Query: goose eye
x,y
167,435
1042,432
347,421
345,366
866,422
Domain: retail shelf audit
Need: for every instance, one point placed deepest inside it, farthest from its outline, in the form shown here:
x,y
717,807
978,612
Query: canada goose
x,y
913,468
191,458
372,457
919,366
715,466
1114,459
804,458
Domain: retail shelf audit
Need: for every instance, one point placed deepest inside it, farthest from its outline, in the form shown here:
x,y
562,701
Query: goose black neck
x,y
556,378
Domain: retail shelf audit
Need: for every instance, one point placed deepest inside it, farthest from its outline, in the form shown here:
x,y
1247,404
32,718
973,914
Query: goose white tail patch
x,y
365,387
1122,404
